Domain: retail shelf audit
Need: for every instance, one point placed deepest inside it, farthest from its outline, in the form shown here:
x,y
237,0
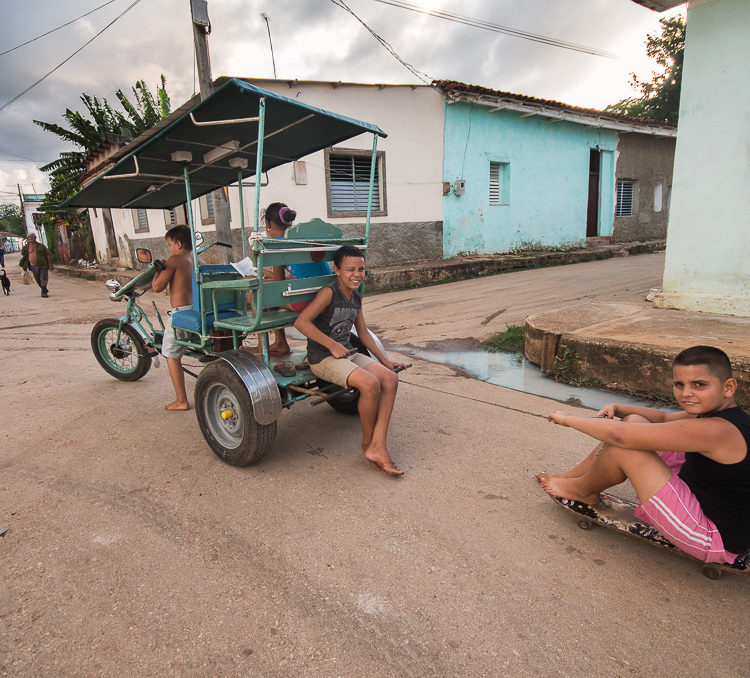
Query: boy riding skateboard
x,y
697,494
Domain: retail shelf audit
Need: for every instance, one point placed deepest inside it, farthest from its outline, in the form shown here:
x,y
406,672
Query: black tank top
x,y
336,321
723,490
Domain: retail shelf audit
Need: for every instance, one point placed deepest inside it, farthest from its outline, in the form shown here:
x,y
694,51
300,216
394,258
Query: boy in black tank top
x,y
698,496
327,323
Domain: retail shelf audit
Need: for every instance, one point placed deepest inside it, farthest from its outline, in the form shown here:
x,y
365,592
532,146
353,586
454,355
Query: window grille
x,y
498,194
349,182
210,206
625,193
141,220
494,183
171,217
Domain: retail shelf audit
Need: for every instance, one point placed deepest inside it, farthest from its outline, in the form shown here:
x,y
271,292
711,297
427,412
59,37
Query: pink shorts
x,y
676,513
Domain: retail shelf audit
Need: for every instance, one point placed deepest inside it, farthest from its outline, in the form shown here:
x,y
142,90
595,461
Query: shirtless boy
x,y
177,273
699,497
327,323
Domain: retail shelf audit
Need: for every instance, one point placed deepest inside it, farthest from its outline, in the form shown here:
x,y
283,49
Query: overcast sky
x,y
312,39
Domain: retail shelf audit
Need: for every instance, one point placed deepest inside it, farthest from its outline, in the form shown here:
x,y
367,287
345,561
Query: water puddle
x,y
506,369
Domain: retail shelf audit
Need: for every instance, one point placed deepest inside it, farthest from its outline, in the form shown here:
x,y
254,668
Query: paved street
x,y
133,550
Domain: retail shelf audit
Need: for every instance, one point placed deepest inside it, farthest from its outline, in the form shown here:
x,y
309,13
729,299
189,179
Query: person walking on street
x,y
36,257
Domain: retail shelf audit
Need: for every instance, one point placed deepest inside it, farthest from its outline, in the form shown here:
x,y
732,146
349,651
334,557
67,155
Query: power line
x,y
88,42
497,28
415,72
58,28
15,155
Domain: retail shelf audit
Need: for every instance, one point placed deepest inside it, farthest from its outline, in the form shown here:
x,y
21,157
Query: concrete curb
x,y
417,274
629,364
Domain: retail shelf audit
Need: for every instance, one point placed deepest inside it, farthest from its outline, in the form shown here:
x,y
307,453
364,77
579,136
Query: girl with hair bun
x,y
278,218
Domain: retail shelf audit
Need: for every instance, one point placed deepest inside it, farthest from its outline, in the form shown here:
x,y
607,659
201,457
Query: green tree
x,y
11,219
86,131
660,97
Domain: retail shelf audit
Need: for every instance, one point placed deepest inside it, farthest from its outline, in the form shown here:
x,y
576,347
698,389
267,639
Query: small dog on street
x,y
5,280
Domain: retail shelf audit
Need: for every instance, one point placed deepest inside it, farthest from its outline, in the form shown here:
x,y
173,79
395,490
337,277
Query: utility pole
x,y
201,30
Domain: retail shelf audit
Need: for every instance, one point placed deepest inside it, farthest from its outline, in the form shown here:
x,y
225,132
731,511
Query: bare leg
x,y
645,470
576,471
377,387
588,462
279,346
178,381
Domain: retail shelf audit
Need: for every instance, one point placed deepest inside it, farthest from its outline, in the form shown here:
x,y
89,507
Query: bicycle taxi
x,y
237,132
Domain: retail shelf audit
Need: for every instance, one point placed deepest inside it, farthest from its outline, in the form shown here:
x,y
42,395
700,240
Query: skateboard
x,y
617,514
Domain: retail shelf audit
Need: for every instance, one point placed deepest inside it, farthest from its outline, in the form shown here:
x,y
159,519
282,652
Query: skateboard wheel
x,y
585,523
711,572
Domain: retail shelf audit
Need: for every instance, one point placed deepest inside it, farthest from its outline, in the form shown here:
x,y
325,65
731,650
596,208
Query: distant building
x,y
30,203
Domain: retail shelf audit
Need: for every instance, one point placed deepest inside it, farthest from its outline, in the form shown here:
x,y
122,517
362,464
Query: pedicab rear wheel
x,y
348,403
225,415
125,358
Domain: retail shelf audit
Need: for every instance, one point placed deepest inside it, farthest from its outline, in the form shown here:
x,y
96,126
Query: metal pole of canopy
x,y
242,214
191,223
259,159
372,182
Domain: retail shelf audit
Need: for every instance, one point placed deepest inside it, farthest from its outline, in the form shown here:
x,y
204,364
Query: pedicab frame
x,y
204,145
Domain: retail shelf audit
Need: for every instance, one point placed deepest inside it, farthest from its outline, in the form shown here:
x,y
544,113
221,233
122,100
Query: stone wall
x,y
647,160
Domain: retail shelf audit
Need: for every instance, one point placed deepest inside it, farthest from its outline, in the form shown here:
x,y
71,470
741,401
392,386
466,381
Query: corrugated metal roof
x,y
453,88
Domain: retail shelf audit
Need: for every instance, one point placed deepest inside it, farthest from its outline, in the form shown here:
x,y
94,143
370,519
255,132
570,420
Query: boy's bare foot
x,y
567,488
273,349
382,461
177,406
543,474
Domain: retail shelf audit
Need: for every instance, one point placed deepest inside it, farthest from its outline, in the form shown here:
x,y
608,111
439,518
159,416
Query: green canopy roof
x,y
145,175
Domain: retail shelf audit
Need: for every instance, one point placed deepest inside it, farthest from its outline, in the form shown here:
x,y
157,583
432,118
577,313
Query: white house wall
x,y
708,239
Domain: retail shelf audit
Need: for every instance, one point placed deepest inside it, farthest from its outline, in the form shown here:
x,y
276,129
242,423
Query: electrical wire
x,y
88,42
22,157
415,72
72,21
488,26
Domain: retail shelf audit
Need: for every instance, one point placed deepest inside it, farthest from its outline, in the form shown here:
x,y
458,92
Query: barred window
x,y
499,183
625,197
140,220
348,183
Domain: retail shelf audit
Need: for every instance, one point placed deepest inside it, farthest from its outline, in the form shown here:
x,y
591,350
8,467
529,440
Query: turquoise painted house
x,y
524,173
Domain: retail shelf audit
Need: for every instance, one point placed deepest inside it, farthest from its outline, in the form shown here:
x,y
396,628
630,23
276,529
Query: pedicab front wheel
x,y
225,415
124,357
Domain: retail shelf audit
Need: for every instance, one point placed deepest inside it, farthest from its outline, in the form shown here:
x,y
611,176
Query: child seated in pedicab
x,y
278,217
697,497
327,323
177,272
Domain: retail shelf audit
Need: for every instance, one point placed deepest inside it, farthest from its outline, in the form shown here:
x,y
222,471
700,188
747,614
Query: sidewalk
x,y
629,348
416,274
